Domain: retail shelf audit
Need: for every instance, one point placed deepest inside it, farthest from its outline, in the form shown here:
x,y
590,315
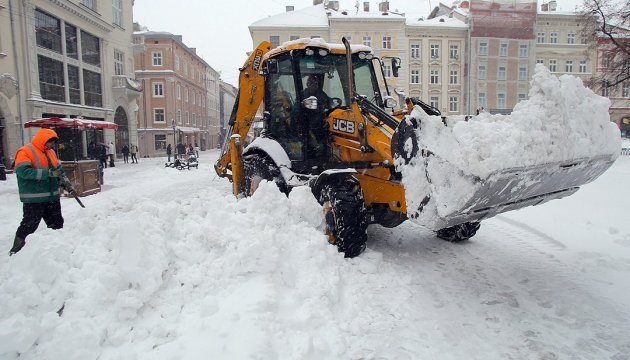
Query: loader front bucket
x,y
505,190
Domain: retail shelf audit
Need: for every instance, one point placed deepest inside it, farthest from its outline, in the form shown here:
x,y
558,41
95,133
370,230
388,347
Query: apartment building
x,y
174,106
437,58
213,79
618,94
227,98
68,59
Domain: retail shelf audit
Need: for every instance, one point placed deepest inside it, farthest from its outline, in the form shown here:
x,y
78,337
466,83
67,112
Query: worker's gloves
x,y
66,184
54,173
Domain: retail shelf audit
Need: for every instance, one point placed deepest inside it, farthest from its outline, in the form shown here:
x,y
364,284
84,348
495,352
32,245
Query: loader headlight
x,y
364,56
323,52
310,52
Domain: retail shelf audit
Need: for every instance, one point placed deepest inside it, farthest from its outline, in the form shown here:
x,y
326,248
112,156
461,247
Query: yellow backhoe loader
x,y
327,124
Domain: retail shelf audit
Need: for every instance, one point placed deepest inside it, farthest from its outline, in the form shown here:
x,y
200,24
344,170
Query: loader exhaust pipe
x,y
350,92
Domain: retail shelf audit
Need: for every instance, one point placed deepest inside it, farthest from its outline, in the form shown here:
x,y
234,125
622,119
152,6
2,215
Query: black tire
x,y
345,216
258,168
459,232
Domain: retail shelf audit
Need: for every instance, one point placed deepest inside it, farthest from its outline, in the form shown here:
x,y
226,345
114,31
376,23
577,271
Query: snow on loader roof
x,y
552,143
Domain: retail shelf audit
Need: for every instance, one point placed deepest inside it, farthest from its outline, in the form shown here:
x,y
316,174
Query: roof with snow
x,y
312,16
440,21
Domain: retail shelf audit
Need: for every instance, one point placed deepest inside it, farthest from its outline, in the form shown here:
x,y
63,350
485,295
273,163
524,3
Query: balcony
x,y
122,84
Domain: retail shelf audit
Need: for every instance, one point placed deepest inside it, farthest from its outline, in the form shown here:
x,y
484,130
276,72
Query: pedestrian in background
x,y
196,149
39,175
134,151
111,151
125,153
169,151
102,155
181,150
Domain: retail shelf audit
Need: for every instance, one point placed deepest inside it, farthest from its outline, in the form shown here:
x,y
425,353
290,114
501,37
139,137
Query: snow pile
x,y
561,121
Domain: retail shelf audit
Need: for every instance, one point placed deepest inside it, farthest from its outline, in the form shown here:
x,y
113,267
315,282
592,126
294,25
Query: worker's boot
x,y
18,244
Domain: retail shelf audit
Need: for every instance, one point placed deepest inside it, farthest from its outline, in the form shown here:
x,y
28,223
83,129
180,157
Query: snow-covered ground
x,y
166,264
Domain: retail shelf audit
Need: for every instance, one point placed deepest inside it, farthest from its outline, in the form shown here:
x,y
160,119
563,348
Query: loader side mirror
x,y
390,102
395,66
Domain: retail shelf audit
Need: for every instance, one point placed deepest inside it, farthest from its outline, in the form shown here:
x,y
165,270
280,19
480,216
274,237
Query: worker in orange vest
x,y
39,176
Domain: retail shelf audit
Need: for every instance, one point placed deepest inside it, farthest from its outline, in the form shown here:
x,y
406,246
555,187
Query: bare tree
x,y
606,25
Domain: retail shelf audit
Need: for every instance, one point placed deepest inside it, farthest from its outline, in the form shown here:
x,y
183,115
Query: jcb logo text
x,y
343,125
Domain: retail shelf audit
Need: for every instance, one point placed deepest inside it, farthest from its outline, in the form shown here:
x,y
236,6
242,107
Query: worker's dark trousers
x,y
33,214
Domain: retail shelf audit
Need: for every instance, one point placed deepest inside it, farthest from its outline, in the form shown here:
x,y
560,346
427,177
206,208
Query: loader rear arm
x,y
250,95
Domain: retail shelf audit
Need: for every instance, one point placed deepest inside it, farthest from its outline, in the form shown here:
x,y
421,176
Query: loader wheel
x,y
259,168
459,232
345,216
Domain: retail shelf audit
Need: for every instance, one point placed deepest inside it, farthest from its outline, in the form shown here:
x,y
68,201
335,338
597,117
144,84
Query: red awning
x,y
56,122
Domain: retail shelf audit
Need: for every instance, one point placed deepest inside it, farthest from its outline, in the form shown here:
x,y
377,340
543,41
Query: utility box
x,y
84,175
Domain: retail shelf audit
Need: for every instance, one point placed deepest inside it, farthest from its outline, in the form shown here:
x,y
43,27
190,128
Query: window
x,y
119,63
158,89
568,66
570,38
387,42
367,41
501,100
454,52
186,94
47,31
552,65
523,50
157,59
625,90
176,62
503,49
158,115
51,82
501,72
553,38
179,116
522,72
415,51
481,99
71,42
194,97
90,49
521,97
435,101
435,51
74,84
435,76
481,72
179,92
540,61
160,142
185,68
540,38
605,88
187,118
92,90
293,37
483,47
117,12
453,104
454,77
90,3
274,40
387,70
582,66
415,76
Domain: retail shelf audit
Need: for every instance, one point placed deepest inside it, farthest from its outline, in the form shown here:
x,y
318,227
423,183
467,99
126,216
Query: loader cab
x,y
302,88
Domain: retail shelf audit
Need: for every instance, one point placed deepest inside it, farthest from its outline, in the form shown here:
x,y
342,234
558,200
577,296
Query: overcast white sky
x,y
219,28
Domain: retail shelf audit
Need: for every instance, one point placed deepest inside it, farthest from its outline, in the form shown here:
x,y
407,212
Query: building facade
x,y
473,55
68,59
174,106
227,98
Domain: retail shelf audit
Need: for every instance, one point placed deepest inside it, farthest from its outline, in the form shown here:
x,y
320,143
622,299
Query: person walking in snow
x,y
102,155
196,149
111,151
134,151
39,175
125,153
169,151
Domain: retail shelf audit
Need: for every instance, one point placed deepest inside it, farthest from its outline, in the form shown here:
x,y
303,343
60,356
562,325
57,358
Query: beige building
x,y
67,59
213,79
174,105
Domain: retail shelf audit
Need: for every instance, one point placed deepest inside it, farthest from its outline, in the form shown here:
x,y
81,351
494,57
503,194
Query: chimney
x,y
366,6
383,6
333,5
290,8
317,2
552,5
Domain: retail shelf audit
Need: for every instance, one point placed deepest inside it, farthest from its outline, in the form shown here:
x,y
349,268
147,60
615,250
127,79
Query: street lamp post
x,y
174,125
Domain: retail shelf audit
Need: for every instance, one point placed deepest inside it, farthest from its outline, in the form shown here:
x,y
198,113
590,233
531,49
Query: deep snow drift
x,y
561,121
166,264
